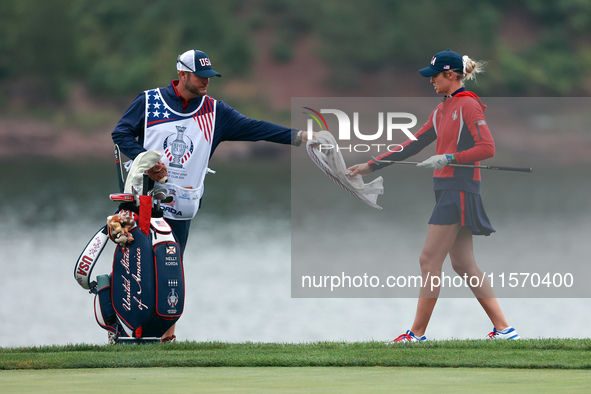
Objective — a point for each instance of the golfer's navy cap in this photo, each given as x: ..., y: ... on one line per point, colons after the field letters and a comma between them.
x: 443, y: 61
x: 196, y: 62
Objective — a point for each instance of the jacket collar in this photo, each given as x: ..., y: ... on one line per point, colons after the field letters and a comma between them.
x: 462, y: 89
x: 172, y: 97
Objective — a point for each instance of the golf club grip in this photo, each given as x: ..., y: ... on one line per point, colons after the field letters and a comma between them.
x: 518, y: 169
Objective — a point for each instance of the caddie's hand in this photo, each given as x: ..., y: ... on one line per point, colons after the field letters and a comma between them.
x: 359, y: 169
x: 436, y: 162
x: 304, y: 137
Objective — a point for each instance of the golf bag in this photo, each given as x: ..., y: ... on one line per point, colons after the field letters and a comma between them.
x: 143, y: 295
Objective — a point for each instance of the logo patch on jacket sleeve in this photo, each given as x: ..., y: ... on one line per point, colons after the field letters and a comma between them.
x: 481, y: 122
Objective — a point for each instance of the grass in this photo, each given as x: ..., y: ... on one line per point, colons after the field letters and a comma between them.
x: 530, y: 354
x: 457, y: 366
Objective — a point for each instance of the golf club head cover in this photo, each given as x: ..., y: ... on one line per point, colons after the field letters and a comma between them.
x: 158, y: 173
x: 142, y: 163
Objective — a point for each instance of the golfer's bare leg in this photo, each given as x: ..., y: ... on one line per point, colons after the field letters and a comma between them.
x: 464, y: 263
x: 438, y: 243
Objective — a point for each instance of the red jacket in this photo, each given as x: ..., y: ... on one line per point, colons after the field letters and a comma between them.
x: 459, y: 126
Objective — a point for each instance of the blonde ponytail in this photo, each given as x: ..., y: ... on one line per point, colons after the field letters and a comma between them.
x: 471, y: 68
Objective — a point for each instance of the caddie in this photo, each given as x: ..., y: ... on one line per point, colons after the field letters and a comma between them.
x: 186, y: 125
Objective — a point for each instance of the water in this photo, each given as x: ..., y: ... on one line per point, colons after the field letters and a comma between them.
x: 237, y: 264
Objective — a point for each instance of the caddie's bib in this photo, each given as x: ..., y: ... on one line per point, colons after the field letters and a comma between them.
x: 185, y: 140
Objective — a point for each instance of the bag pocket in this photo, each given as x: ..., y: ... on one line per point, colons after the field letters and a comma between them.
x: 103, y: 307
x: 170, y: 280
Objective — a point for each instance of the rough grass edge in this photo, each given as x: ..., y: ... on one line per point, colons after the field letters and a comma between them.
x: 530, y: 354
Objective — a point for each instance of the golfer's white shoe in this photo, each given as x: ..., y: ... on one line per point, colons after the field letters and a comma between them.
x: 409, y: 337
x: 507, y: 333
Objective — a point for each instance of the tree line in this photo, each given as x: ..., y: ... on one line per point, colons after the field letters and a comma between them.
x: 119, y: 47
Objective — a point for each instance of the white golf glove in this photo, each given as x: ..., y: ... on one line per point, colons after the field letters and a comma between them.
x: 436, y: 162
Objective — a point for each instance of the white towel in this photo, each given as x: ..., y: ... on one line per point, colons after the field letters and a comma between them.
x: 331, y: 162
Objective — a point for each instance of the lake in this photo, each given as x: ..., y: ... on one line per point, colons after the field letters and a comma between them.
x: 238, y: 267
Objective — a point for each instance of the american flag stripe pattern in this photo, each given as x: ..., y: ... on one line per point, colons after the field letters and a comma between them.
x: 205, y: 117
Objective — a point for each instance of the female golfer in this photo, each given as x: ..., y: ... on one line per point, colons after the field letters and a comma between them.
x: 463, y: 137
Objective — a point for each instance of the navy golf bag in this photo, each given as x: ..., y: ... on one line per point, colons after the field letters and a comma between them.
x: 143, y: 295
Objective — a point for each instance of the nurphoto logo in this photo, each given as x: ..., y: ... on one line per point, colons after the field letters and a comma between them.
x: 388, y: 123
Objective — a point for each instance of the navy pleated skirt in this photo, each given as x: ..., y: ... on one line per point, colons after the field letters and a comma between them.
x: 457, y: 206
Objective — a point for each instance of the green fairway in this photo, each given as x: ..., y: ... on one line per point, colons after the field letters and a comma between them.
x: 302, y: 379
x: 541, y: 365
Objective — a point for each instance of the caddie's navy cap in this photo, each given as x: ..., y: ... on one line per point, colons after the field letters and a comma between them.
x: 443, y: 61
x: 196, y: 62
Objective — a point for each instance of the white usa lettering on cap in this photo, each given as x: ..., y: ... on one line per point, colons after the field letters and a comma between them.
x: 204, y: 61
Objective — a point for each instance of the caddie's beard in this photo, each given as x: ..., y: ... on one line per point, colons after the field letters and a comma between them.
x: 194, y: 89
